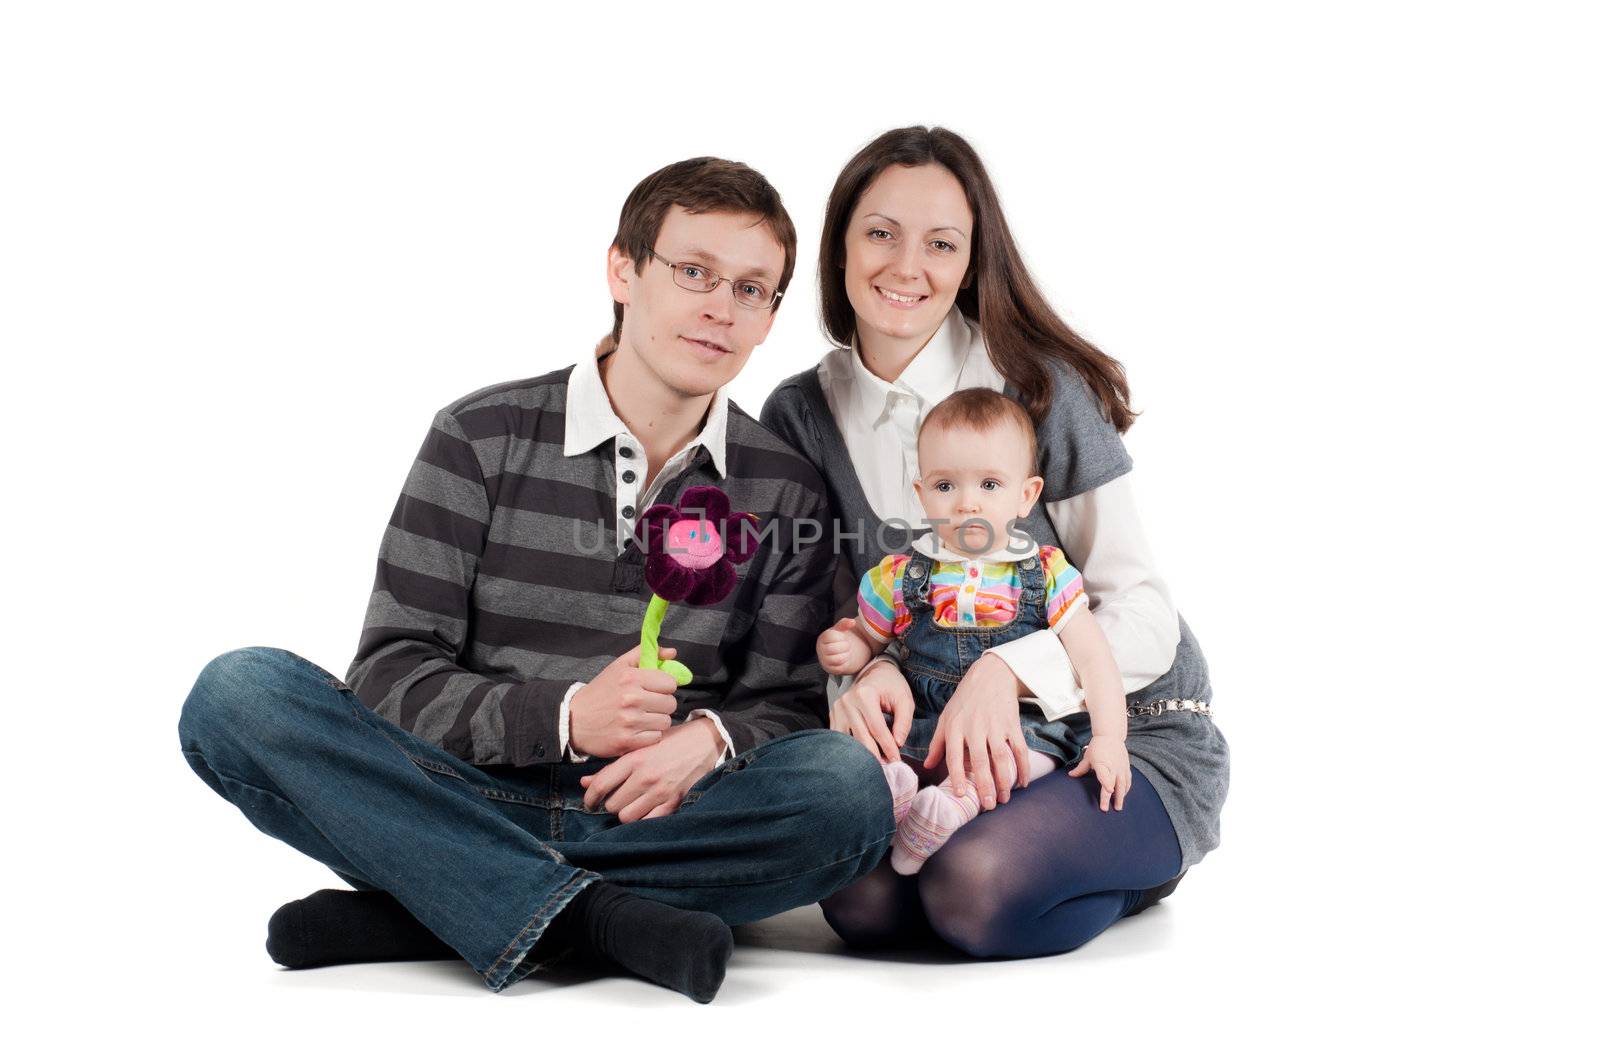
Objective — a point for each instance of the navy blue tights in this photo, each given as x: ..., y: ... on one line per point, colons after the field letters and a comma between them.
x: 1036, y: 876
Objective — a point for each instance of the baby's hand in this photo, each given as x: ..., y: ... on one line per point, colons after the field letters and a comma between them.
x: 1109, y: 760
x: 842, y: 649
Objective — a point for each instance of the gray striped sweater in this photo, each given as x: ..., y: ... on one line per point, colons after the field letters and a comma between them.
x: 496, y: 589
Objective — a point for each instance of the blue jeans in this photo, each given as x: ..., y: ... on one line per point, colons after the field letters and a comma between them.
x: 485, y: 857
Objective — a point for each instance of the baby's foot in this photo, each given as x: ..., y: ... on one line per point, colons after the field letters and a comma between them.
x: 935, y: 814
x: 902, y: 786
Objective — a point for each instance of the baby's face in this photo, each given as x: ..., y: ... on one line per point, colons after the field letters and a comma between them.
x: 975, y: 476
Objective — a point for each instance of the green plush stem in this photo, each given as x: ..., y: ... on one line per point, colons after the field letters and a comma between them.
x: 649, y: 636
x: 651, y: 632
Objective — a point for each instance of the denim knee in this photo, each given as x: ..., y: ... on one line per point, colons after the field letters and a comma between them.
x: 849, y: 766
x: 238, y: 695
x: 843, y: 786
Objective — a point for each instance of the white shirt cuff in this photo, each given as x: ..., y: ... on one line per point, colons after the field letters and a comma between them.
x: 1041, y: 663
x: 716, y: 721
x: 564, y: 726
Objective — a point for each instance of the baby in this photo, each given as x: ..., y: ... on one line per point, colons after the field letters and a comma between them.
x: 966, y: 586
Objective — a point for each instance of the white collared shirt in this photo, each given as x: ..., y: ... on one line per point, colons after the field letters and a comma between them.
x: 1099, y: 529
x: 591, y: 422
x: 880, y: 419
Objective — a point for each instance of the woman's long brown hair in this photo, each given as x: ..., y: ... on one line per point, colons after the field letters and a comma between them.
x: 1019, y: 328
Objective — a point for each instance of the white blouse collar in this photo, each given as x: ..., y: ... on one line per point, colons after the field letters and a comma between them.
x: 932, y: 375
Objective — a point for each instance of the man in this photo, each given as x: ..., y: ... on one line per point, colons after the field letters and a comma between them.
x: 497, y: 775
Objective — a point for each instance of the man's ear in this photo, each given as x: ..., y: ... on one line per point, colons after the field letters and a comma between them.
x: 620, y: 275
x: 1030, y: 494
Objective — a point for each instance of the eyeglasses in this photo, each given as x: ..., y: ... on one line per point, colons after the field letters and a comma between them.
x: 754, y: 294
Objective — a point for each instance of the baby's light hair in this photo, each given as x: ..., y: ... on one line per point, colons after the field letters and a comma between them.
x: 981, y: 409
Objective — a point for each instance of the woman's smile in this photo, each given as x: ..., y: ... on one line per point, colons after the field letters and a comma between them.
x: 898, y: 299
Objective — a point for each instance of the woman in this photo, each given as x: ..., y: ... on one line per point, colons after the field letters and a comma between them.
x: 924, y: 292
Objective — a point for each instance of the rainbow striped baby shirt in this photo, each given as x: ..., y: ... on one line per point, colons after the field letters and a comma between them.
x: 979, y: 593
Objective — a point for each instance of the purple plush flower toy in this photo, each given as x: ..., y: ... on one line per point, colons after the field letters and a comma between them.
x: 690, y: 550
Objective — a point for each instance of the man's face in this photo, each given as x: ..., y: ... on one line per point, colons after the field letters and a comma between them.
x: 695, y: 342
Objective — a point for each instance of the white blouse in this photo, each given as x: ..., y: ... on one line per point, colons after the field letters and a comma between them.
x: 1099, y: 529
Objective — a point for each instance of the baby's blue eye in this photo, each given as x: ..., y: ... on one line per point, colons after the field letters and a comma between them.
x: 693, y: 534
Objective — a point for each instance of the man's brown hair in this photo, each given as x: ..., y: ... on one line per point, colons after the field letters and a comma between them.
x: 981, y: 409
x: 700, y: 186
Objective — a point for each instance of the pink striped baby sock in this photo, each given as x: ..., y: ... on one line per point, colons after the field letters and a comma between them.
x: 902, y: 786
x: 935, y: 814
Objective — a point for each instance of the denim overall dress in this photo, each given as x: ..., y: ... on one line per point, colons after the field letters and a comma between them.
x: 937, y: 657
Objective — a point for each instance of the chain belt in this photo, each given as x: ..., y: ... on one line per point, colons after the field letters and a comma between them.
x: 1156, y: 708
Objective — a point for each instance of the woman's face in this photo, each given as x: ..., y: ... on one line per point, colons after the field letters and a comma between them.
x: 906, y: 250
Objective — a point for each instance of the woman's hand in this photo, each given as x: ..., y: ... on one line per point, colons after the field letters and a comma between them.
x: 859, y: 711
x: 980, y: 730
x: 1108, y: 759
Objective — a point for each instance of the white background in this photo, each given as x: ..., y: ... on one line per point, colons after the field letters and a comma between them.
x: 1346, y: 252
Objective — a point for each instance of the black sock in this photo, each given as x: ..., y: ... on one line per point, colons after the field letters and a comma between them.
x: 679, y: 949
x: 349, y: 926
x: 682, y: 950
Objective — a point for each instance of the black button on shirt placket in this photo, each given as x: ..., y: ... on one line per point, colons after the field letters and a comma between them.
x: 628, y: 574
x: 628, y: 476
